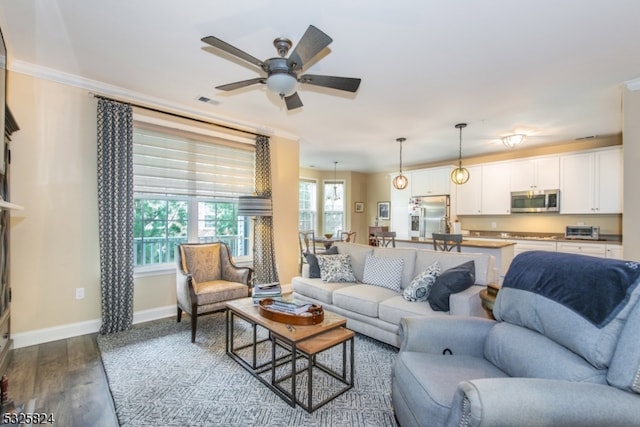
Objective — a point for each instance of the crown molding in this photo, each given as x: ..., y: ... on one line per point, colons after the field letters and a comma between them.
x: 633, y: 85
x: 125, y: 95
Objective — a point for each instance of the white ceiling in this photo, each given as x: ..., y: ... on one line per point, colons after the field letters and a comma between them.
x: 552, y: 69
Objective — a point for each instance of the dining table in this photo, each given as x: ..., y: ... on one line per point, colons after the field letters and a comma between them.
x: 327, y: 242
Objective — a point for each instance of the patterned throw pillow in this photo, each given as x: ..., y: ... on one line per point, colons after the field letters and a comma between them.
x: 385, y: 272
x: 336, y: 268
x: 420, y: 286
x: 312, y: 260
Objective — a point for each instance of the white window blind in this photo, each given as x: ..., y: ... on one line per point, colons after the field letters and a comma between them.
x: 175, y: 162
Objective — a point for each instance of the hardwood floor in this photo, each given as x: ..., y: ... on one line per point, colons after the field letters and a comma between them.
x: 66, y: 378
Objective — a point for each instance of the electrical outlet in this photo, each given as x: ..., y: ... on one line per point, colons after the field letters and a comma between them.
x: 79, y: 293
x: 494, y: 224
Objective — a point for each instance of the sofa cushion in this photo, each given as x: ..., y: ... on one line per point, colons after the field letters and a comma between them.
x: 406, y: 254
x: 336, y: 268
x: 362, y: 298
x: 451, y: 281
x: 428, y: 382
x: 393, y: 309
x: 312, y: 260
x: 420, y: 286
x: 358, y: 254
x: 317, y: 289
x: 385, y: 272
x: 521, y: 352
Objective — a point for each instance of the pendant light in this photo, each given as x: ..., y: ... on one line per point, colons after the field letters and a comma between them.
x: 334, y: 197
x: 400, y: 182
x: 460, y: 175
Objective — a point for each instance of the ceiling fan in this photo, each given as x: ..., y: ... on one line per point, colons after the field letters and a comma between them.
x: 282, y: 72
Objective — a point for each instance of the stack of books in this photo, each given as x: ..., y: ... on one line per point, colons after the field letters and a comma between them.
x: 266, y: 290
x: 289, y: 307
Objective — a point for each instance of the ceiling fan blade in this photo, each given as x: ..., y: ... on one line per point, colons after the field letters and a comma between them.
x: 348, y: 84
x: 312, y: 42
x: 293, y: 101
x: 222, y: 45
x: 243, y: 83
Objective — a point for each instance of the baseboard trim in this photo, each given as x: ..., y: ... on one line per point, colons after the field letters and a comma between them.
x: 41, y: 336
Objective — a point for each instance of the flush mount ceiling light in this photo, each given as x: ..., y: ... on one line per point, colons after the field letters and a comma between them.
x: 400, y: 182
x: 512, y: 140
x: 460, y: 175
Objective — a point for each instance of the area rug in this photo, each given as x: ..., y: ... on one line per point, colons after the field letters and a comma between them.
x: 157, y: 377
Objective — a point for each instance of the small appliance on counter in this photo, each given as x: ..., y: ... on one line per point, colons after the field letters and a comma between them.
x: 583, y: 232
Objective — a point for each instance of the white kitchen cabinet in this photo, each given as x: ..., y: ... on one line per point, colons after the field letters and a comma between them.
x: 469, y: 195
x: 593, y: 249
x: 399, y: 213
x: 591, y: 182
x: 430, y: 182
x: 496, y: 194
x: 533, y: 245
x: 614, y: 251
x: 541, y: 173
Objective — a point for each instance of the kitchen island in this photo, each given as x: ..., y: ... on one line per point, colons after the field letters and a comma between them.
x: 502, y: 250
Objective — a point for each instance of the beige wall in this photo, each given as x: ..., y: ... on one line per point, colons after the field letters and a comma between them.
x: 631, y: 150
x: 54, y: 240
x: 356, y: 185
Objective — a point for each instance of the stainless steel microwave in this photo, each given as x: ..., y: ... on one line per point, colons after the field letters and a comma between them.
x: 535, y: 201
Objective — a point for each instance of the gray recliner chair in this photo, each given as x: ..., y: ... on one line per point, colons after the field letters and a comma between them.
x: 564, y: 350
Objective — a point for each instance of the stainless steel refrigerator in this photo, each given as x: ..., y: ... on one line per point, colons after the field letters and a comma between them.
x: 429, y: 214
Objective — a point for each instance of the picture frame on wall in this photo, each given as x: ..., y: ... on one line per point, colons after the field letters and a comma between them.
x: 384, y: 209
x: 358, y: 207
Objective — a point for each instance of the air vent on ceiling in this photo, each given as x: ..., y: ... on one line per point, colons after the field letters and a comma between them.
x: 207, y: 100
x: 586, y: 137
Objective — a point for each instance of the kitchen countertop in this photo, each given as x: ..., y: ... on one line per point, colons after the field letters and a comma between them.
x: 500, y: 236
x: 493, y: 243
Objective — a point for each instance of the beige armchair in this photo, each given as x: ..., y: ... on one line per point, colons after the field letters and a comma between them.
x: 206, y: 278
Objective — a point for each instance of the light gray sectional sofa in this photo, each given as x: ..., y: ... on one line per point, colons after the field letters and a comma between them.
x: 375, y: 310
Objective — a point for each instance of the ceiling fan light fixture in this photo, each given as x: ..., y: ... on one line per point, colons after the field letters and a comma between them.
x: 400, y: 182
x: 512, y: 141
x: 460, y: 175
x: 282, y: 84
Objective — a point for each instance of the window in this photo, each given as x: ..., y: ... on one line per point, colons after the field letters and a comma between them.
x: 307, y: 204
x: 186, y: 188
x: 333, y: 207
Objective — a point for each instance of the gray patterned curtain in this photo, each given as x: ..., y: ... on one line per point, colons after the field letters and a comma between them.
x: 264, y: 263
x: 115, y: 214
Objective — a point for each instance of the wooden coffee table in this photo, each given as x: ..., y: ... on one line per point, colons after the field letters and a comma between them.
x: 297, y: 341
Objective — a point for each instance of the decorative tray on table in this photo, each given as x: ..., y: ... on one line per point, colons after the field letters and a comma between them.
x: 291, y: 313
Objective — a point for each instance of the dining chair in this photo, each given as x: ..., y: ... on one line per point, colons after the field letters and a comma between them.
x: 307, y: 241
x: 446, y: 242
x: 348, y: 236
x: 384, y: 238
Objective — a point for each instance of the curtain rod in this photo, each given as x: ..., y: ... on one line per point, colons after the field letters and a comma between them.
x: 180, y: 116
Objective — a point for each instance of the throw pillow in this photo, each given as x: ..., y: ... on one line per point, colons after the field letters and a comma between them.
x: 336, y: 268
x: 312, y: 260
x: 385, y: 272
x: 452, y: 281
x: 420, y: 286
